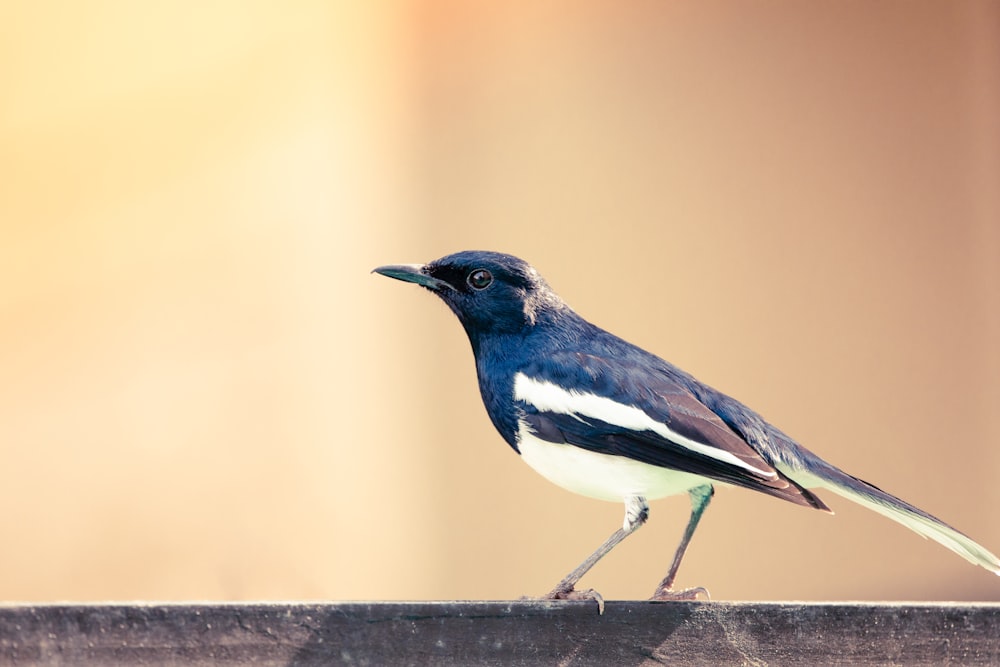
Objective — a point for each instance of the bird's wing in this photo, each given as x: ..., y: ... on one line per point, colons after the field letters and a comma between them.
x: 629, y: 408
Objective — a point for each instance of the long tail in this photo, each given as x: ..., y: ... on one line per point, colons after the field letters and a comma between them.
x: 814, y: 472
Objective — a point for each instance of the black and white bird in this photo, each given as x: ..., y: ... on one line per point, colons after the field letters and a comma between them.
x: 601, y: 417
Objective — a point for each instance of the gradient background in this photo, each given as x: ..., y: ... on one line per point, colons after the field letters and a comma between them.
x: 206, y: 395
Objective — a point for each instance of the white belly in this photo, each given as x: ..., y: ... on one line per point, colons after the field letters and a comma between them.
x: 601, y: 476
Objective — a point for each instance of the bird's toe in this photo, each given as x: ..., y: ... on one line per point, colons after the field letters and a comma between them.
x: 573, y: 594
x: 684, y: 594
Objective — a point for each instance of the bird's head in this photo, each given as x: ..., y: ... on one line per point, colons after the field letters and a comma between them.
x: 489, y: 292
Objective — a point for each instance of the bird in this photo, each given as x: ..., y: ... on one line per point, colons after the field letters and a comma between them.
x: 604, y: 418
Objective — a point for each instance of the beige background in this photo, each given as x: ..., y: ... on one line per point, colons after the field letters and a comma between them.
x: 205, y: 394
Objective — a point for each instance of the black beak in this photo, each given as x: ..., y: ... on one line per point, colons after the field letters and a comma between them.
x: 412, y: 273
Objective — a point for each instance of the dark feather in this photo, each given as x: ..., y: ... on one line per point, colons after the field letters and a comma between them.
x: 664, y: 399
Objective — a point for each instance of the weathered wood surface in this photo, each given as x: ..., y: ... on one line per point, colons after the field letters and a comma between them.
x: 500, y: 633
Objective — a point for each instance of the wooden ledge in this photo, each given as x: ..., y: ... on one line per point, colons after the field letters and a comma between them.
x: 500, y: 633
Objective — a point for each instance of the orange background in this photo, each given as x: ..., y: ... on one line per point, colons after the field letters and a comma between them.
x: 205, y: 394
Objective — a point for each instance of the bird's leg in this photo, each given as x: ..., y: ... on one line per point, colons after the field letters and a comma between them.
x: 700, y: 497
x: 636, y: 513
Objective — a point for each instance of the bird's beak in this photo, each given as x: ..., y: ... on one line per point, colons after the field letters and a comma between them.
x: 412, y: 273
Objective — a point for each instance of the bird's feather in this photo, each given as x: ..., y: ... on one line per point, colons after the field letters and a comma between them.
x: 630, y: 410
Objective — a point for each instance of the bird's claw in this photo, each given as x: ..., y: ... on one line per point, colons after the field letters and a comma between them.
x: 573, y: 594
x: 684, y: 594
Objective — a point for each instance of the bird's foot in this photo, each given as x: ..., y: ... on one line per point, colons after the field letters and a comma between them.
x: 573, y: 594
x: 665, y: 593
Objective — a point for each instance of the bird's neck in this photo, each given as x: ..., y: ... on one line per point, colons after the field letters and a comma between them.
x: 500, y: 356
x: 497, y: 360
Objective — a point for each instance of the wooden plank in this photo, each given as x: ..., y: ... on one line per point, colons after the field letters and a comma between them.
x: 500, y: 633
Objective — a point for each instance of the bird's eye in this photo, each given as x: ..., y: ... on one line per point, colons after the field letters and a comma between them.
x: 480, y: 279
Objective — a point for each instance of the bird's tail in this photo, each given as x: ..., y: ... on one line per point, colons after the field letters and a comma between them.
x: 817, y: 473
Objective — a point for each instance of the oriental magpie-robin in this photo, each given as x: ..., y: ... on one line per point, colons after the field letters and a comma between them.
x: 606, y: 419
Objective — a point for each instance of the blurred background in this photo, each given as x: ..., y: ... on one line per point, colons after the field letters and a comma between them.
x: 204, y: 394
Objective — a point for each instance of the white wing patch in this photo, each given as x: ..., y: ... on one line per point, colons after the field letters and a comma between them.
x: 549, y: 397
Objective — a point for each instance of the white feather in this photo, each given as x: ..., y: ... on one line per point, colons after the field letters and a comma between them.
x: 601, y: 476
x: 549, y: 397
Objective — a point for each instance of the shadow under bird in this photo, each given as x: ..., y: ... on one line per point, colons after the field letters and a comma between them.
x: 601, y: 417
